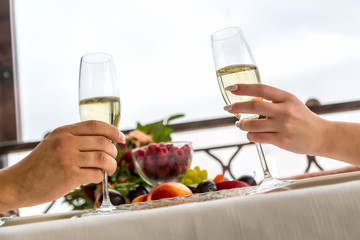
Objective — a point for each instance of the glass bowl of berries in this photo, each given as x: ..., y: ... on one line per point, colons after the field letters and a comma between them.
x: 157, y: 163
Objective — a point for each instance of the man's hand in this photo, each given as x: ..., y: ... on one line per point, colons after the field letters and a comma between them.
x: 68, y: 157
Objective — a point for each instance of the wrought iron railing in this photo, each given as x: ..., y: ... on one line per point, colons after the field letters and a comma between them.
x: 313, y: 104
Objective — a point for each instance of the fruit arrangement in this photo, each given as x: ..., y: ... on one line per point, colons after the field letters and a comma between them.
x: 162, y: 162
x: 174, y: 189
x: 125, y: 177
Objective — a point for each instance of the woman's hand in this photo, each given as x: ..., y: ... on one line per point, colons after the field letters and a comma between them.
x: 289, y: 124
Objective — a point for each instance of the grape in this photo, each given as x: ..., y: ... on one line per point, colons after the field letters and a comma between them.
x: 136, y: 191
x: 187, y: 182
x: 206, y: 186
x: 194, y: 176
x: 192, y: 188
x: 247, y: 179
x: 203, y: 174
x: 197, y: 179
x: 191, y: 173
x: 115, y: 198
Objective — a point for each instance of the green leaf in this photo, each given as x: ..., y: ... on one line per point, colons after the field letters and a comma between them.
x: 173, y: 118
x: 163, y: 135
x: 158, y: 130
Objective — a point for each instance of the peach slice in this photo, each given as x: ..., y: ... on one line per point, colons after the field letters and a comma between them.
x: 218, y: 178
x: 141, y: 198
x: 231, y: 184
x: 168, y: 190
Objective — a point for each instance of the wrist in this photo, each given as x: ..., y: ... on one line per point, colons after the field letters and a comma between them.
x: 8, y: 193
x: 326, y: 144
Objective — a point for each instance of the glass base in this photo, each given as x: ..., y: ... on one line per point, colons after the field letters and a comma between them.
x: 271, y: 184
x: 102, y: 211
x: 104, y: 208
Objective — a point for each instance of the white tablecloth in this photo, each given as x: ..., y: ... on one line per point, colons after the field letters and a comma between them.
x: 324, y: 212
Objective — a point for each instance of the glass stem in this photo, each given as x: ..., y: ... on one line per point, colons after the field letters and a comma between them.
x: 267, y: 174
x: 106, y: 199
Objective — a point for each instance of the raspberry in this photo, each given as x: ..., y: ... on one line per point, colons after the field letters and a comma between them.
x: 186, y: 149
x: 161, y: 144
x: 140, y: 153
x: 175, y: 166
x: 151, y: 171
x: 151, y: 161
x: 89, y: 191
x: 127, y: 159
x: 162, y: 161
x: 179, y: 154
x: 163, y: 172
x: 152, y: 148
x: 162, y: 151
x: 169, y: 145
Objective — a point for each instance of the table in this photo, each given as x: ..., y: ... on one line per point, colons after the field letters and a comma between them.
x: 317, y: 212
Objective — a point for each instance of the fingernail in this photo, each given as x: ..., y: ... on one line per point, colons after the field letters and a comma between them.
x: 122, y: 136
x: 231, y: 88
x: 237, y: 123
x: 227, y: 108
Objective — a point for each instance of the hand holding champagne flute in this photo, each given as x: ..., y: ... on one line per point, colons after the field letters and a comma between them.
x: 230, y: 75
x: 235, y: 64
x: 99, y: 99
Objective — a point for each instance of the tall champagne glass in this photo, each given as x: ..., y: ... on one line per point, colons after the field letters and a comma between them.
x: 99, y: 100
x: 234, y: 64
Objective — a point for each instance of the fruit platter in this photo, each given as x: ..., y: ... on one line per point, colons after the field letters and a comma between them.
x: 165, y: 167
x: 175, y: 193
x: 171, y: 181
x: 170, y: 193
x: 154, y: 171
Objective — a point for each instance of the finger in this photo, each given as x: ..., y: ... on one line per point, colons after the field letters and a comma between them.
x: 96, y: 143
x: 263, y: 137
x: 91, y: 175
x: 257, y: 107
x: 99, y: 160
x: 259, y: 90
x: 91, y: 128
x: 257, y: 125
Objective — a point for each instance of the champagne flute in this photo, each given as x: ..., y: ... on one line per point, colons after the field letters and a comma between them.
x: 234, y: 64
x: 99, y: 100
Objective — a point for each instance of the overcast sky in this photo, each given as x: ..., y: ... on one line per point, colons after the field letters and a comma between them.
x: 163, y: 57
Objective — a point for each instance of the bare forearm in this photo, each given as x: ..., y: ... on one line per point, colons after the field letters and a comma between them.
x: 8, y: 199
x: 290, y: 125
x: 342, y: 142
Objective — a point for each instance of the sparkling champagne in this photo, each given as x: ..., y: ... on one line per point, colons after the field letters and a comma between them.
x: 234, y: 74
x: 106, y: 109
